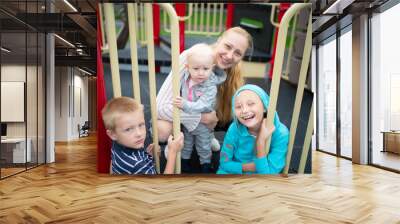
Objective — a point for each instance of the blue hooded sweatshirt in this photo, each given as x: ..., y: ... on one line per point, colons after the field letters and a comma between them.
x: 239, y: 144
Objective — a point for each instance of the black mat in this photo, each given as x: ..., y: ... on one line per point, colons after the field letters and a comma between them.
x: 162, y: 58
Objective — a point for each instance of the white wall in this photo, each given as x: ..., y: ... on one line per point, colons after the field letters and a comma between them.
x: 71, y: 94
x: 61, y: 103
x: 33, y: 126
x: 13, y: 73
x: 81, y: 94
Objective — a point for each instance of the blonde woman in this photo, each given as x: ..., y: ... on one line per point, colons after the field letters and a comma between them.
x: 229, y: 50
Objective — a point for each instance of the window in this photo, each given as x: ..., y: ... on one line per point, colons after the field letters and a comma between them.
x: 385, y: 86
x: 346, y: 94
x: 326, y: 94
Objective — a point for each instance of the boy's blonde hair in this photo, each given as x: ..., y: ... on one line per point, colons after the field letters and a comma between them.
x: 117, y: 106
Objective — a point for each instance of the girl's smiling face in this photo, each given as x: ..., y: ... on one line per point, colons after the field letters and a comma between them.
x: 249, y: 110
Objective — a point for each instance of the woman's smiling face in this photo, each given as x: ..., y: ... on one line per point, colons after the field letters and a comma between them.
x: 230, y: 49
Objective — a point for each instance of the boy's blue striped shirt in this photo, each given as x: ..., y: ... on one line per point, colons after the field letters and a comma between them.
x: 126, y: 160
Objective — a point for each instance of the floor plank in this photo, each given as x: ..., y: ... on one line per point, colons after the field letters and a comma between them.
x: 71, y: 191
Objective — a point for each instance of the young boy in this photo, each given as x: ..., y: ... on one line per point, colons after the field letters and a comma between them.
x: 124, y: 120
x: 198, y: 90
x: 243, y: 150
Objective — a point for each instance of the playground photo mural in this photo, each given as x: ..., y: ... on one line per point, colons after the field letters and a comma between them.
x: 204, y: 88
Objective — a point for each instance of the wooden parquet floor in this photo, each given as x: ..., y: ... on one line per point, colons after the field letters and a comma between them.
x: 71, y: 191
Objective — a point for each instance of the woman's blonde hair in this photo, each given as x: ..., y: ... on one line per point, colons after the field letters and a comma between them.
x: 233, y: 82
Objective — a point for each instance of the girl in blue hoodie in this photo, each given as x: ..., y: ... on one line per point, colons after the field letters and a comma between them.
x: 243, y: 151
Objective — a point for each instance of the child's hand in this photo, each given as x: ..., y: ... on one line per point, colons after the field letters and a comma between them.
x: 265, y: 132
x: 178, y: 102
x: 175, y: 145
x: 263, y: 135
x: 149, y: 149
x: 209, y: 119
